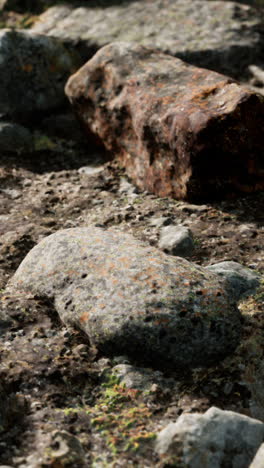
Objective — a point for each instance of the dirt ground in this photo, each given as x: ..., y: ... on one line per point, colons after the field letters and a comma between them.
x: 50, y: 378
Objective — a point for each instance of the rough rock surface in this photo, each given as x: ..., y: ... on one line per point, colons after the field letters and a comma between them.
x: 164, y: 119
x: 33, y: 71
x: 258, y: 461
x: 130, y: 298
x: 239, y: 279
x: 212, y: 440
x: 176, y: 240
x: 224, y: 36
x: 15, y: 138
x: 137, y: 377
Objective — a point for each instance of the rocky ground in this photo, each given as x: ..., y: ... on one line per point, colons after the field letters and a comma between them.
x: 61, y: 402
x: 52, y: 378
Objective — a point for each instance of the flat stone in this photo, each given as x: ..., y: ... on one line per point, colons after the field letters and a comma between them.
x: 212, y: 440
x: 131, y: 299
x: 33, y: 72
x: 223, y: 36
x: 163, y: 119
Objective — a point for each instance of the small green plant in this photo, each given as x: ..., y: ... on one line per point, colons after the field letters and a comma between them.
x: 121, y: 417
x: 43, y: 142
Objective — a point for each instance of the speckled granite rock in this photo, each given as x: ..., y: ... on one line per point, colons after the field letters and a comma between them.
x: 131, y: 298
x: 163, y: 119
x: 33, y: 71
x: 176, y: 240
x: 223, y: 36
x: 212, y: 440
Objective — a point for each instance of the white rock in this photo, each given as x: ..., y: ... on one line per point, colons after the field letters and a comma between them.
x: 176, y: 240
x: 212, y: 440
x: 239, y: 279
x: 258, y: 461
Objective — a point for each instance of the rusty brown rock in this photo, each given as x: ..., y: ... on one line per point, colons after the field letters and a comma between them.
x: 179, y: 130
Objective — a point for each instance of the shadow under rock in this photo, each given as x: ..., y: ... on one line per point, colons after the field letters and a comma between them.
x: 37, y: 7
x: 45, y: 161
x: 163, y: 341
x: 246, y: 209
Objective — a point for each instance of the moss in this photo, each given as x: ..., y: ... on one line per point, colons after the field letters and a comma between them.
x: 121, y: 417
x: 43, y: 142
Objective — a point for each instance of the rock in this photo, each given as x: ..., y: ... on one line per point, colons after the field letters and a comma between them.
x: 176, y: 240
x: 161, y: 221
x: 258, y: 461
x: 189, y: 208
x: 223, y: 36
x: 56, y: 449
x: 163, y: 119
x: 130, y: 298
x: 66, y: 449
x: 136, y: 377
x: 33, y: 71
x: 212, y: 440
x: 15, y: 138
x: 240, y: 280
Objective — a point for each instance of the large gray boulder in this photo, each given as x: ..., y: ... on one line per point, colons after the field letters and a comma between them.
x: 223, y: 36
x: 215, y: 439
x: 33, y: 71
x: 130, y: 298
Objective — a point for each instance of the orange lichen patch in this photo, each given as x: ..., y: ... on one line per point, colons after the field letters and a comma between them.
x: 111, y: 266
x: 84, y: 317
x: 115, y: 280
x: 205, y: 91
x: 71, y: 272
x: 27, y: 67
x: 125, y: 261
x: 102, y: 305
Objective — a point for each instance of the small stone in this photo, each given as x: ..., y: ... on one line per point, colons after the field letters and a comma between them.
x: 176, y: 240
x: 189, y: 208
x: 240, y: 281
x: 81, y: 350
x: 159, y: 222
x: 136, y: 377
